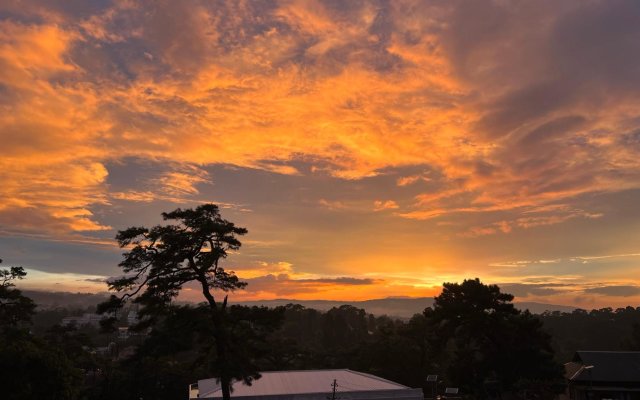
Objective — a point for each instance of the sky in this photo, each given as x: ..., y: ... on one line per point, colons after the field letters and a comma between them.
x: 372, y: 148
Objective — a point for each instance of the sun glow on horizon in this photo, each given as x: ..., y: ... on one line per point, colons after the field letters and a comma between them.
x: 371, y: 149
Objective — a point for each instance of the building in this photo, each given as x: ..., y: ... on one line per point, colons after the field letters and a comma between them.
x: 85, y: 319
x: 604, y: 375
x: 123, y: 333
x: 309, y: 385
x: 132, y: 318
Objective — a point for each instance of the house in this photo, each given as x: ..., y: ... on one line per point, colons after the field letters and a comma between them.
x: 604, y: 375
x: 309, y: 385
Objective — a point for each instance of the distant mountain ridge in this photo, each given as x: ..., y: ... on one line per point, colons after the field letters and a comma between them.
x: 402, y: 307
x: 48, y: 300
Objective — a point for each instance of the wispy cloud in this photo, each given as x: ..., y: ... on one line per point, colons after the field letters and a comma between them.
x: 478, y: 120
x: 362, y: 88
x: 615, y: 290
x: 380, y: 205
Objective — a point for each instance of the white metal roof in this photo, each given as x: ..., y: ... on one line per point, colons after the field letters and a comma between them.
x: 301, y: 382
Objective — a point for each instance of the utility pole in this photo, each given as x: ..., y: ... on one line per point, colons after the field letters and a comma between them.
x: 433, y: 380
x: 334, y: 387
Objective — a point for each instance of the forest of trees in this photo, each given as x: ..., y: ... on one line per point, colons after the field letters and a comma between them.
x: 472, y: 337
x: 174, y: 354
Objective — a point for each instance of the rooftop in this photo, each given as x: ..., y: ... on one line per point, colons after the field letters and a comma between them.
x: 302, y: 382
x: 605, y: 366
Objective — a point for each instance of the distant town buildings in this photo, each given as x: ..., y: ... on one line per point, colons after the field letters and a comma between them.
x: 124, y: 333
x: 85, y: 319
x: 132, y: 317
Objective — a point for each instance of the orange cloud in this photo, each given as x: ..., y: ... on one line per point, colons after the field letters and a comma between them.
x: 410, y: 180
x: 380, y: 205
x: 496, y: 123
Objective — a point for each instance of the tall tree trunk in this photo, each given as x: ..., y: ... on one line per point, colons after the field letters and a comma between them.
x: 219, y: 335
x: 221, y: 349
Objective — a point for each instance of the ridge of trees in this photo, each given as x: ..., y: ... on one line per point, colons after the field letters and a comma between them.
x: 31, y: 368
x: 472, y: 336
x: 188, y: 248
x: 289, y: 337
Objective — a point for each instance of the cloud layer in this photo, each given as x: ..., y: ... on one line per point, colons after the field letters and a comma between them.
x: 487, y: 119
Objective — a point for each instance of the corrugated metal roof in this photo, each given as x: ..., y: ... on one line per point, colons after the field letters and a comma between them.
x: 299, y: 382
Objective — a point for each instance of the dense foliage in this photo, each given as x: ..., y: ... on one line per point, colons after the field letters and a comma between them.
x: 187, y: 248
x: 472, y: 337
x: 178, y: 350
x: 31, y: 367
x: 15, y: 309
x: 486, y: 346
x: 603, y: 329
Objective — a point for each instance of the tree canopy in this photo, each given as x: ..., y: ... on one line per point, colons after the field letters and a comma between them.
x: 486, y: 346
x: 31, y: 368
x: 14, y: 307
x: 179, y: 351
x: 160, y: 260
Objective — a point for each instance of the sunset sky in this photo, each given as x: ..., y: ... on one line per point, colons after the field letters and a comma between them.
x: 371, y: 148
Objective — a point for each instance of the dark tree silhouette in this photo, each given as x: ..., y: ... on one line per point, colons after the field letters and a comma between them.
x: 602, y: 329
x: 14, y: 307
x: 31, y: 368
x: 161, y: 260
x: 180, y: 350
x: 633, y: 343
x: 487, y: 346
